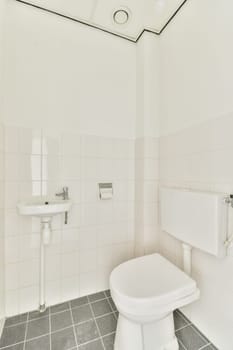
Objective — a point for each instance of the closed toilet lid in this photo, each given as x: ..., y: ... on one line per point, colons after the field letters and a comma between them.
x: 151, y: 277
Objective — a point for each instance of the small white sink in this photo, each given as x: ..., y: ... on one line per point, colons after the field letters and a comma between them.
x: 42, y: 208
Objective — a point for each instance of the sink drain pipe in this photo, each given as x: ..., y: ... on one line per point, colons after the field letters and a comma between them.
x: 45, y: 238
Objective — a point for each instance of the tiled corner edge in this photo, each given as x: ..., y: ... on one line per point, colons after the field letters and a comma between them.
x: 209, y: 344
x: 2, y: 322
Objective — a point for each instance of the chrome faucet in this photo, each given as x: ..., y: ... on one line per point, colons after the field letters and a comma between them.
x: 64, y: 194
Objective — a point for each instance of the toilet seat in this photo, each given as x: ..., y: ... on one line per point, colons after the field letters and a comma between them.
x: 150, y: 286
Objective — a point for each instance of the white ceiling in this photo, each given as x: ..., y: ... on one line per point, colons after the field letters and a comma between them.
x: 150, y: 15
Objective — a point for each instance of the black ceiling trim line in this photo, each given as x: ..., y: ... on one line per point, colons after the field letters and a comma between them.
x: 101, y: 29
x: 75, y: 20
x: 172, y: 17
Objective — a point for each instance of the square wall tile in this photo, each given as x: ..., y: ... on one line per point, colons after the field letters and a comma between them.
x: 69, y: 264
x: 12, y: 303
x: 12, y: 166
x: 30, y: 141
x: 89, y: 146
x: 28, y: 298
x: 51, y: 142
x: 11, y: 276
x: 88, y: 282
x: 11, y: 139
x: 69, y: 288
x: 70, y: 168
x: 30, y: 168
x: 87, y: 260
x: 51, y: 168
x: 71, y: 144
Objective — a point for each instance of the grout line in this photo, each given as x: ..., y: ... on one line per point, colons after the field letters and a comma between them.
x: 196, y: 330
x: 100, y: 336
x: 52, y: 313
x: 73, y: 325
x: 182, y: 315
x: 205, y: 346
x: 178, y: 329
x: 114, y: 311
x: 22, y: 342
x: 11, y: 345
x: 41, y: 161
x: 16, y: 324
x: 96, y: 301
x: 179, y: 341
x: 199, y: 334
x: 90, y: 341
x: 90, y: 303
x: 105, y: 292
x: 26, y: 330
x: 38, y: 318
x: 108, y: 313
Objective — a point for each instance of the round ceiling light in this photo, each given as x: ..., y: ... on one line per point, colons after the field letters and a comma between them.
x: 121, y: 16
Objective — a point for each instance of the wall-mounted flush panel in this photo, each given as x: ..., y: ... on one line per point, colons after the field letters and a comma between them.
x: 196, y: 218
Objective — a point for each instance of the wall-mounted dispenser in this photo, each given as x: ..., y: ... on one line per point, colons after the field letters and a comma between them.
x: 105, y: 191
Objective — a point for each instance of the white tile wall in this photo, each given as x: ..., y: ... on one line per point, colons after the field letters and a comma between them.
x: 200, y: 158
x: 146, y: 194
x: 99, y: 234
x: 2, y: 226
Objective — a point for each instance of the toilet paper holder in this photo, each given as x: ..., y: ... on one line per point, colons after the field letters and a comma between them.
x: 105, y: 191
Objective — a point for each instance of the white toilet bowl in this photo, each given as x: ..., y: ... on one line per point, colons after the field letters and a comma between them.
x: 146, y: 291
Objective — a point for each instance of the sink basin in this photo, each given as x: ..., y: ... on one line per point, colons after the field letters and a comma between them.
x: 42, y: 208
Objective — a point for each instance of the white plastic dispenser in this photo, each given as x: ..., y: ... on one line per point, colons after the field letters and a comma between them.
x: 196, y: 218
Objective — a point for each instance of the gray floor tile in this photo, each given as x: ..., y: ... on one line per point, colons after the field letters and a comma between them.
x: 86, y: 332
x: 36, y: 314
x: 179, y: 321
x: 184, y: 317
x: 82, y: 314
x: 107, y: 293
x: 61, y: 320
x: 190, y: 339
x: 107, y: 324
x: 15, y: 320
x: 109, y: 341
x: 59, y: 307
x: 200, y: 334
x: 116, y: 314
x: 63, y: 340
x: 112, y: 304
x: 42, y: 343
x: 38, y: 327
x: 15, y: 347
x: 79, y: 302
x: 94, y: 345
x: 13, y: 335
x: 213, y: 347
x: 96, y: 296
x: 101, y: 307
x: 181, y: 347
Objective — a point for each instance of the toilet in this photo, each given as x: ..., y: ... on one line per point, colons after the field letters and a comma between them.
x: 147, y: 289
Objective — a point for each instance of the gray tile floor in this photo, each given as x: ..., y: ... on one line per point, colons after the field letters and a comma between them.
x: 86, y: 323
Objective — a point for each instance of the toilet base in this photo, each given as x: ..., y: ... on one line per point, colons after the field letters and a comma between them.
x: 158, y: 335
